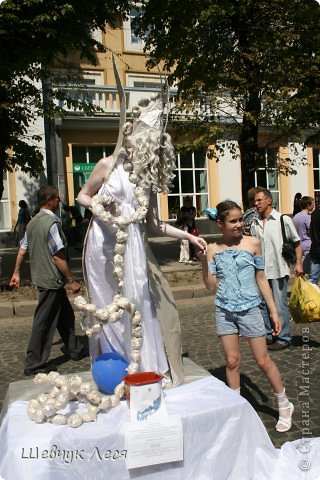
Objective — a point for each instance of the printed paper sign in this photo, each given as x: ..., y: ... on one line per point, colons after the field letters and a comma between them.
x: 152, y: 443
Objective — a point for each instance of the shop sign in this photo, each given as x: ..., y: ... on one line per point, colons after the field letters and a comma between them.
x: 83, y: 167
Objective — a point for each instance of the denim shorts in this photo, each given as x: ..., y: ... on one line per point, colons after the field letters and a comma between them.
x: 248, y: 323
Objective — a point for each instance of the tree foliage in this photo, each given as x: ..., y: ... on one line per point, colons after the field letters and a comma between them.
x: 244, y: 66
x: 35, y: 34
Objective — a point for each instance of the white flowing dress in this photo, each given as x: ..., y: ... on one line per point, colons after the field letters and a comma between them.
x: 101, y: 283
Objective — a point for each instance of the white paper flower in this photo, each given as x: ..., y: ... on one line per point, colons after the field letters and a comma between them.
x: 114, y: 317
x: 97, y: 199
x: 137, y: 332
x: 118, y: 271
x: 74, y: 420
x: 49, y: 410
x: 135, y: 355
x: 39, y: 417
x: 75, y: 381
x: 90, y: 307
x: 80, y: 301
x: 85, y: 388
x: 121, y: 236
x: 54, y: 392
x: 122, y: 221
x: 133, y: 368
x: 62, y: 400
x: 105, y: 403
x: 59, y: 419
x: 102, y: 314
x: 136, y: 343
x: 119, y: 390
x: 65, y: 389
x: 42, y: 398
x: 136, y: 320
x: 89, y: 417
x: 113, y: 307
x: 98, y: 209
x: 89, y: 332
x: 123, y: 302
x: 41, y: 378
x: 94, y: 397
x: 133, y: 309
x: 115, y: 400
x: 96, y: 328
x: 119, y: 248
x: 118, y: 260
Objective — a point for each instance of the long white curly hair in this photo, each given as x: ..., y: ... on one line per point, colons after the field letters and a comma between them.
x: 152, y: 155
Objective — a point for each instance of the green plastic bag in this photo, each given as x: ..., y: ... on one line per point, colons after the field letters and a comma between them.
x: 304, y: 302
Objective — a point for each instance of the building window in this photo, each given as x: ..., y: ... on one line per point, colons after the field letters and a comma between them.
x: 191, y: 180
x: 143, y: 81
x: 84, y: 159
x: 266, y: 175
x: 5, y: 217
x: 92, y: 77
x: 131, y: 41
x: 316, y: 175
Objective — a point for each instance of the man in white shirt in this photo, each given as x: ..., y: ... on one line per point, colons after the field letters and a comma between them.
x: 267, y: 228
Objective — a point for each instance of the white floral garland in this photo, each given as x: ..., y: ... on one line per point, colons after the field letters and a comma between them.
x: 107, y: 211
x: 46, y: 406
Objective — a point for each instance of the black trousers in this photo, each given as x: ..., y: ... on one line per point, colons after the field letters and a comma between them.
x: 53, y: 311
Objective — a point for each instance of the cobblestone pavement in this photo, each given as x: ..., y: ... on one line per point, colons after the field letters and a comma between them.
x: 202, y: 346
x: 299, y: 364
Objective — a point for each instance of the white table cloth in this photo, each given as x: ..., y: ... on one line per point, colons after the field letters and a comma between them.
x: 223, y: 439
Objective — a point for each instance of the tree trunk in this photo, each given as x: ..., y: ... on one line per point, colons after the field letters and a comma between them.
x: 4, y: 135
x: 248, y: 142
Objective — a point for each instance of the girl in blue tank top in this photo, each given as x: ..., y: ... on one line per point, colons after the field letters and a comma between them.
x: 233, y: 270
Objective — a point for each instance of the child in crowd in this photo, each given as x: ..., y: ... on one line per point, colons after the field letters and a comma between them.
x: 184, y: 248
x: 233, y: 268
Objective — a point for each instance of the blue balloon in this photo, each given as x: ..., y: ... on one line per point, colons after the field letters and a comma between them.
x: 108, y: 370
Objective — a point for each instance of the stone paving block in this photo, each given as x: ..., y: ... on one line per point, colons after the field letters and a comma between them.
x: 26, y: 308
x: 6, y: 310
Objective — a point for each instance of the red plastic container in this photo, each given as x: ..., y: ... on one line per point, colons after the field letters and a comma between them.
x: 140, y: 378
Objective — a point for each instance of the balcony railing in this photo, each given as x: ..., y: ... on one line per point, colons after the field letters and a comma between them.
x: 107, y: 103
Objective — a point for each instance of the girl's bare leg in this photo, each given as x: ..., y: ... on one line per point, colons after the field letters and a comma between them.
x: 232, y: 354
x: 260, y: 352
x: 261, y: 355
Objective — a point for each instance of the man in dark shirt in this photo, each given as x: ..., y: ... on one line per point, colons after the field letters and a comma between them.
x: 315, y: 247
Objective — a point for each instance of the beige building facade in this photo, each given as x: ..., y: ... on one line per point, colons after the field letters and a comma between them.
x: 73, y: 144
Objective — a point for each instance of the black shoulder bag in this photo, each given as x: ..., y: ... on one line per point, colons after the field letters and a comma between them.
x: 288, y: 250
